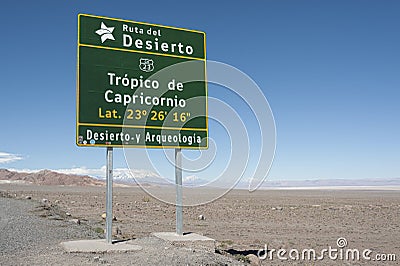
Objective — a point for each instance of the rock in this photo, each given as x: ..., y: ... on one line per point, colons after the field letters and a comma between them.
x: 254, y: 260
x: 99, y: 260
x: 117, y: 231
x: 56, y: 201
x: 201, y: 217
x: 28, y: 197
x: 45, y: 201
x: 76, y: 221
x: 279, y: 208
x: 68, y: 214
x: 104, y: 216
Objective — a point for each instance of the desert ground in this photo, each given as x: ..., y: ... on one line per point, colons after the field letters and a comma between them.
x: 241, y: 222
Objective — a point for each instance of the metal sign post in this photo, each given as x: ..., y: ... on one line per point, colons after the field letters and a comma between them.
x: 178, y: 183
x: 116, y: 91
x: 109, y: 197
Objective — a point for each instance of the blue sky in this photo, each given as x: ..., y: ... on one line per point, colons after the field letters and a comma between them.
x: 329, y: 69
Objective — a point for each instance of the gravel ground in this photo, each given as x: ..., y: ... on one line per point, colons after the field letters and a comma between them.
x: 242, y: 224
x: 31, y: 232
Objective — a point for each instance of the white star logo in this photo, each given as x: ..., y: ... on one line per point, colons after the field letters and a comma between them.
x: 105, y: 32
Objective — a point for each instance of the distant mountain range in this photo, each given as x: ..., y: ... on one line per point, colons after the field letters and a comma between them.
x: 145, y: 177
x: 315, y: 183
x: 47, y: 177
x: 130, y: 177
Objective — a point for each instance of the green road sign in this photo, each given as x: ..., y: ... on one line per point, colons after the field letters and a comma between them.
x: 140, y: 85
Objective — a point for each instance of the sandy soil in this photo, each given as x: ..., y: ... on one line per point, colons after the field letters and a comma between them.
x: 243, y: 222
